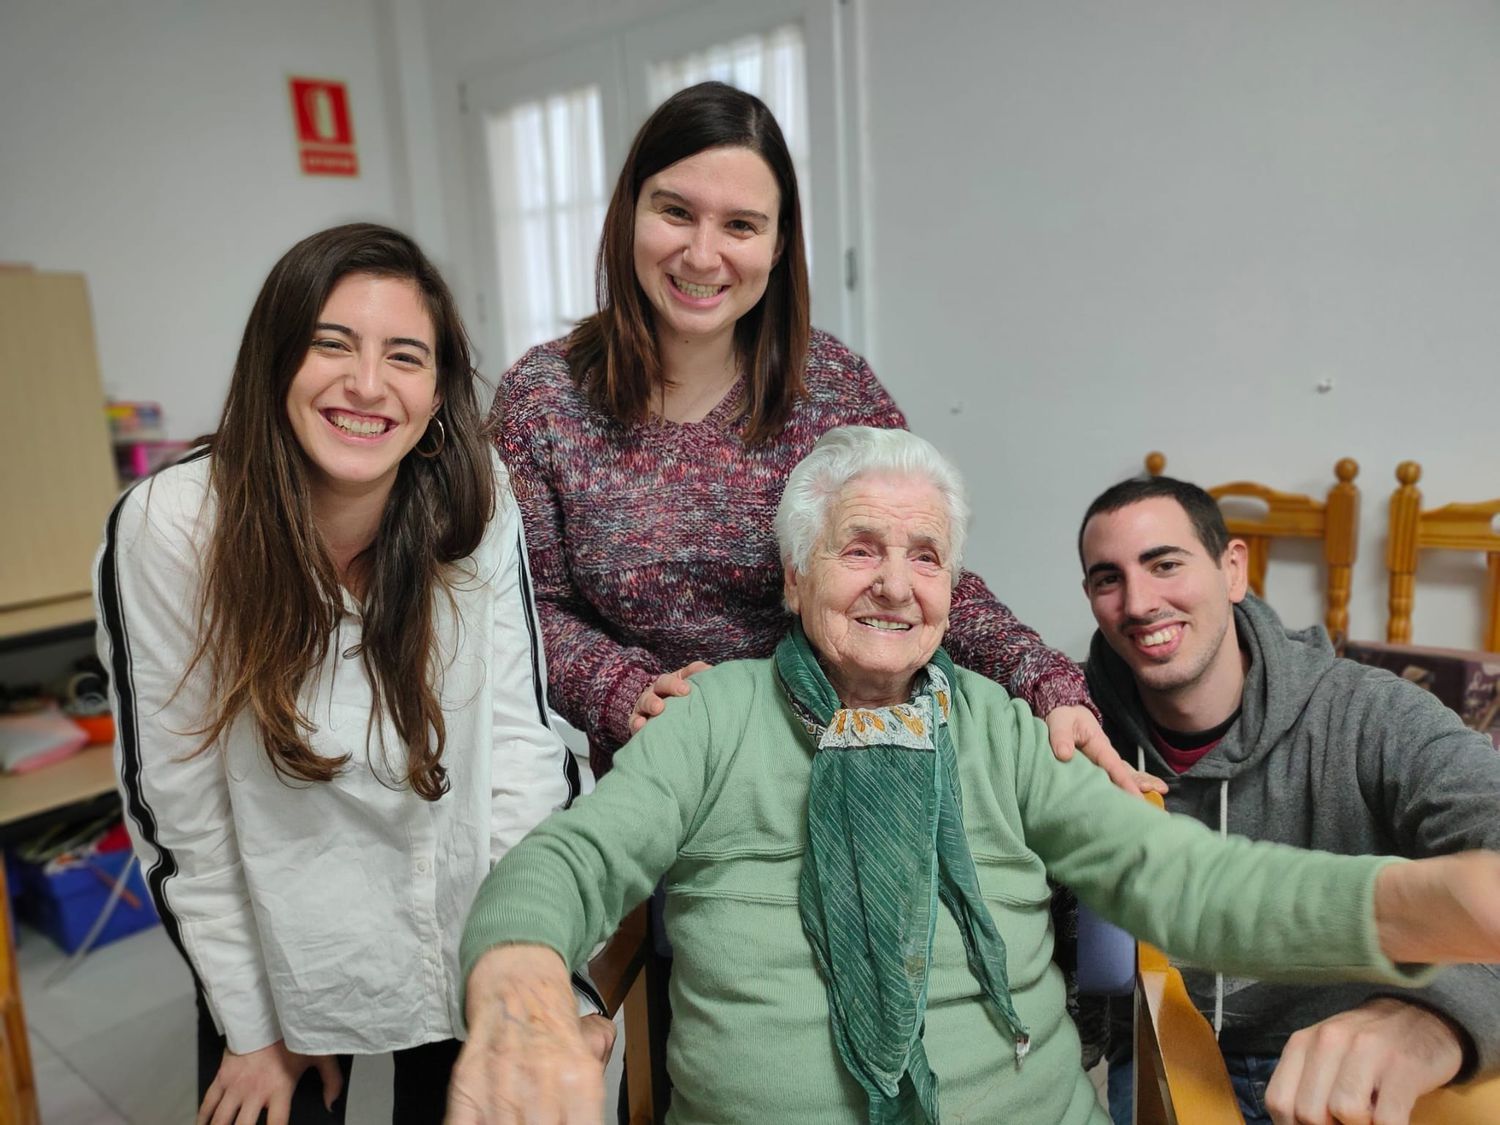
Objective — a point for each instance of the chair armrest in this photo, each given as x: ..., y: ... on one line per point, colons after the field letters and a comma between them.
x: 615, y: 967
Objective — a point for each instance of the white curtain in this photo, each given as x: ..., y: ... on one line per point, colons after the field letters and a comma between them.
x: 547, y: 178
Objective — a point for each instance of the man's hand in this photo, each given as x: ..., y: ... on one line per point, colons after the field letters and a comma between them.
x: 529, y: 1058
x: 651, y: 702
x: 264, y: 1080
x: 1367, y: 1066
x: 1073, y: 726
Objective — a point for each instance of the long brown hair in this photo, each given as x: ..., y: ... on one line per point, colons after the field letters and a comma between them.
x: 613, y: 355
x: 271, y: 594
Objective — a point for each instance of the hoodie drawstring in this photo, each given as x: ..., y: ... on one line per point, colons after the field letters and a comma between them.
x: 1219, y: 977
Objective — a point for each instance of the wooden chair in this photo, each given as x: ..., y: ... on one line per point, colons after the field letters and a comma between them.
x: 1180, y: 1076
x: 1454, y: 527
x: 1290, y: 515
x: 628, y: 975
x: 18, y: 1105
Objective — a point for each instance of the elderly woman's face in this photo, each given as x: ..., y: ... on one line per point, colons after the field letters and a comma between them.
x: 874, y: 600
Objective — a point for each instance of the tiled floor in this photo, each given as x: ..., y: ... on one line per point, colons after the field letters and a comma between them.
x: 113, y: 1042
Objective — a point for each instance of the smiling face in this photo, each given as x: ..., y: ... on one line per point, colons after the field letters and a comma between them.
x: 367, y: 386
x: 875, y: 597
x: 706, y: 240
x: 1166, y: 607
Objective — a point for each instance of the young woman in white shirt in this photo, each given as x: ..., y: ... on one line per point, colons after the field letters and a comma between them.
x: 329, y: 686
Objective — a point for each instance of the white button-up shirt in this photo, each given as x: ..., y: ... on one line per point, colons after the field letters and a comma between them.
x: 325, y: 914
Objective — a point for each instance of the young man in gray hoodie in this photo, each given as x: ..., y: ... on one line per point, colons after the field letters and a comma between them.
x: 1262, y: 732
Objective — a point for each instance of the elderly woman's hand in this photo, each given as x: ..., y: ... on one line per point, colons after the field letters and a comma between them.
x: 1441, y: 910
x: 529, y: 1058
x: 653, y: 700
x: 1074, y: 726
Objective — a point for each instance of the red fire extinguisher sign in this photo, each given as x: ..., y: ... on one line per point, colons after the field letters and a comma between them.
x: 325, y: 131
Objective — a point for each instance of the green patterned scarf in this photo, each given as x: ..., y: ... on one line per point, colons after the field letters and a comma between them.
x: 886, y: 842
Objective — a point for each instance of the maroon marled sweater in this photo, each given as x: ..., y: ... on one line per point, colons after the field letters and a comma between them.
x: 651, y: 545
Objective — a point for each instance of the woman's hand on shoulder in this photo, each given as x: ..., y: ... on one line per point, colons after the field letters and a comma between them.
x: 1073, y: 727
x: 651, y: 702
x: 264, y: 1080
x: 529, y: 1057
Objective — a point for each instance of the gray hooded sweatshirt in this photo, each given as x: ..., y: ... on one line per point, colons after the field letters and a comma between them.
x: 1338, y: 756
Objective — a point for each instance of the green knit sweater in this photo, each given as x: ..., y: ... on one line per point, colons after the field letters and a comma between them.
x: 713, y: 795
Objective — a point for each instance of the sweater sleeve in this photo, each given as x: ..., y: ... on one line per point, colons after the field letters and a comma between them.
x: 1256, y: 909
x: 568, y: 884
x: 988, y: 638
x: 177, y: 801
x: 595, y: 679
x: 1437, y: 784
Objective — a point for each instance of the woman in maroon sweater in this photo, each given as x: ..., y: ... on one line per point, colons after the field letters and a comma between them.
x: 649, y: 448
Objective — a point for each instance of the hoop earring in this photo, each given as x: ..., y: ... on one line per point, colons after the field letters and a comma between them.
x: 438, y: 445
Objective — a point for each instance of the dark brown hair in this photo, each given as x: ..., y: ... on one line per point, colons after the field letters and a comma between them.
x: 272, y: 598
x: 1202, y: 510
x: 613, y: 354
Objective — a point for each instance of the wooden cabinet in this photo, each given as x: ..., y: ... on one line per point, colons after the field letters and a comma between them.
x: 57, y: 476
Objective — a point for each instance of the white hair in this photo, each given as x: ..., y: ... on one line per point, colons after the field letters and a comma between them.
x: 840, y: 457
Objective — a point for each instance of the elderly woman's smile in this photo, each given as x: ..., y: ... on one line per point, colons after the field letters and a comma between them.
x: 875, y: 593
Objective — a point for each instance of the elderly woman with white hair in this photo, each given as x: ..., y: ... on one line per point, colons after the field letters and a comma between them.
x: 856, y: 837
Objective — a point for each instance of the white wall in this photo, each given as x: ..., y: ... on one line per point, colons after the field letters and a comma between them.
x: 150, y: 146
x: 1104, y: 228
x: 1098, y: 228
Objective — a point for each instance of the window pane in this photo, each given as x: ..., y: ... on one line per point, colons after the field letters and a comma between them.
x: 546, y: 164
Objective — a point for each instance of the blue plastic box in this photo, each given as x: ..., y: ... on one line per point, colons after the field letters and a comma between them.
x: 66, y: 904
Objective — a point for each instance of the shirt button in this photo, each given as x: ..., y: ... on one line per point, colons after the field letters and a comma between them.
x: 422, y: 866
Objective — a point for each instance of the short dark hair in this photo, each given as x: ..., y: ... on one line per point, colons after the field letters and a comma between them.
x: 1201, y: 508
x: 612, y: 355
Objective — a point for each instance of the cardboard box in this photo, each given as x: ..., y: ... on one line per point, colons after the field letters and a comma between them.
x: 1466, y: 680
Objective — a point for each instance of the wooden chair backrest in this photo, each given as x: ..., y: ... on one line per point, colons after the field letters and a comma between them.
x: 622, y: 973
x: 1180, y: 1077
x: 1179, y: 1074
x: 1291, y: 515
x: 1454, y: 527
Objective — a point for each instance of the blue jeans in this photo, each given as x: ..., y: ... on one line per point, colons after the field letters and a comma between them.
x: 1121, y: 1090
x: 1248, y: 1074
